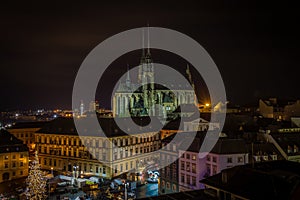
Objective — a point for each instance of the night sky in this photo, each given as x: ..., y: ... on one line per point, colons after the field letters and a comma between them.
x: 255, y: 45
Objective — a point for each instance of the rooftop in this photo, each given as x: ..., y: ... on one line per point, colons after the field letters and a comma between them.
x: 266, y: 180
x: 9, y: 143
x: 22, y: 125
x: 109, y: 126
x: 229, y: 146
x: 288, y: 141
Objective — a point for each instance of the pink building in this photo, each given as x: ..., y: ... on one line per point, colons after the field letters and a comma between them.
x: 195, y: 166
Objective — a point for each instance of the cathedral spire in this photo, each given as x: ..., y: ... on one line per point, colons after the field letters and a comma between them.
x: 143, y: 43
x: 143, y: 47
x: 188, y: 72
x: 148, y: 58
x: 148, y: 40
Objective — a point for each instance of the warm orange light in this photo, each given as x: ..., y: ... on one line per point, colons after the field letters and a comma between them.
x: 207, y: 104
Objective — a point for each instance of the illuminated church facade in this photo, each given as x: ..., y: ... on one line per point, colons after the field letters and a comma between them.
x: 142, y: 98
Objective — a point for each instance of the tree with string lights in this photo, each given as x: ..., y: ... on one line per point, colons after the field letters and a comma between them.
x: 36, y: 183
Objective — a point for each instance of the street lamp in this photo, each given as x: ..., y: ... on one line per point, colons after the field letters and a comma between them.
x: 125, y: 185
x: 52, y: 171
x: 75, y: 173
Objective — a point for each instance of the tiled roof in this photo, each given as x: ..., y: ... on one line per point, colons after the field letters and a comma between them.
x: 175, y: 124
x: 262, y: 148
x: 186, y: 108
x: 229, y: 146
x: 288, y: 140
x: 9, y: 143
x: 21, y: 125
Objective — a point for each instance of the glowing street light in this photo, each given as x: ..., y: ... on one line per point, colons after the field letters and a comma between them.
x: 126, y: 185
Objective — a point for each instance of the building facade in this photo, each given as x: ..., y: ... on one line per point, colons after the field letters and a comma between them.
x: 169, y: 171
x: 25, y: 131
x: 13, y: 157
x: 226, y: 153
x: 287, y: 142
x: 279, y: 110
x: 195, y: 166
x: 61, y: 148
x: 201, y: 125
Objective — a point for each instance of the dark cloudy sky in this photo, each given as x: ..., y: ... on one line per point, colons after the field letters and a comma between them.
x: 255, y: 45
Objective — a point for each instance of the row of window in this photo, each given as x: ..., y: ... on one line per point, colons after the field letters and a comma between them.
x: 169, y: 172
x: 188, y: 167
x: 187, y: 179
x: 126, y: 153
x: 211, y: 170
x: 14, y: 156
x: 94, y: 142
x: 80, y: 154
x: 240, y: 159
x: 22, y: 135
x: 189, y: 156
x: 168, y: 186
x: 13, y: 164
x: 168, y: 158
x: 82, y: 167
x: 126, y: 165
x: 211, y: 158
x: 14, y: 173
x: 84, y: 154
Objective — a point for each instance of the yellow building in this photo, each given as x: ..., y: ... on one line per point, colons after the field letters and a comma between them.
x: 279, y: 109
x: 25, y: 132
x: 61, y: 149
x: 13, y: 157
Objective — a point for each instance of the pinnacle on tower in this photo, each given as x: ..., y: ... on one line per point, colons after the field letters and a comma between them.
x: 148, y: 40
x: 128, y: 81
x: 143, y: 47
x: 148, y: 58
x: 188, y: 72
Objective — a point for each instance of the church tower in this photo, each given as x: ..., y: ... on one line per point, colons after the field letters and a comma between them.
x: 146, y: 77
x: 140, y: 99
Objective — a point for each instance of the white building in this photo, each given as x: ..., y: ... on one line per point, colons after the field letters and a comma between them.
x: 201, y: 125
x: 225, y: 154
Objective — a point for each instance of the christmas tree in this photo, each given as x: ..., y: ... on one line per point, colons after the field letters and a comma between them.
x: 36, y: 183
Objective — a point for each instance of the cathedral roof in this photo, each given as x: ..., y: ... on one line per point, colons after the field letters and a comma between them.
x: 137, y: 88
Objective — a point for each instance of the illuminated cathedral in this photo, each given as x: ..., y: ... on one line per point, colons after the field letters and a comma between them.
x: 142, y: 98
